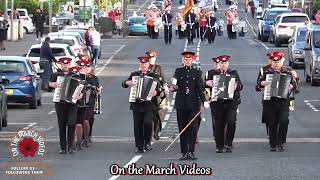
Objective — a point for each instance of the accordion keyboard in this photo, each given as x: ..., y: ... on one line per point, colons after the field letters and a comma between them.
x: 57, y: 91
x: 134, y: 89
x: 214, y: 92
x: 267, y: 89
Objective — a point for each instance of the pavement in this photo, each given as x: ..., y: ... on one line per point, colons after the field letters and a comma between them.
x: 113, y: 129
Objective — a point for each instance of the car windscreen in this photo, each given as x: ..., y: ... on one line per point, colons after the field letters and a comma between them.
x: 35, y: 52
x: 58, y: 52
x: 301, y: 35
x: 13, y: 67
x: 81, y: 32
x: 271, y: 15
x: 316, y: 37
x: 70, y: 42
x: 21, y: 13
x: 137, y: 20
x: 294, y: 19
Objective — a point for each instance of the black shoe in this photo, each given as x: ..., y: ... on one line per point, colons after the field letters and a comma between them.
x: 192, y: 156
x: 228, y: 148
x: 184, y: 157
x: 273, y: 149
x: 148, y: 147
x: 71, y: 150
x: 139, y: 151
x: 281, y: 147
x: 156, y: 136
x: 219, y: 151
x: 85, y: 143
x: 79, y: 146
x: 90, y: 140
x: 62, y: 151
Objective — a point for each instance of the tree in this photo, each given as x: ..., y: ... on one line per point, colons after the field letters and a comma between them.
x: 316, y: 5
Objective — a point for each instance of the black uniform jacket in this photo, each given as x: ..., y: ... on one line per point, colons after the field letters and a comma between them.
x: 146, y: 105
x: 92, y: 85
x: 211, y: 22
x: 167, y: 19
x: 271, y: 71
x: 190, y: 90
x: 236, y: 96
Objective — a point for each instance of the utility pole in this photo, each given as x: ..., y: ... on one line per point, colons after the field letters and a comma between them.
x: 84, y: 12
x: 11, y: 19
x: 6, y: 9
x: 41, y: 4
x: 50, y: 15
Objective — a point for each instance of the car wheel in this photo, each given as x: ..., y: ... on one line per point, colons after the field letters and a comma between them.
x: 277, y: 43
x: 39, y: 103
x: 25, y: 30
x: 308, y: 78
x: 313, y: 82
x: 33, y: 103
x: 264, y: 38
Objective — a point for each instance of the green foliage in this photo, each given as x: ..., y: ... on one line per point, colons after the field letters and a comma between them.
x: 316, y: 6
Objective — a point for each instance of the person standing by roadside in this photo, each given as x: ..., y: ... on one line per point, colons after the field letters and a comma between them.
x: 87, y: 40
x: 3, y: 32
x: 317, y: 16
x: 38, y: 21
x: 46, y: 58
x: 95, y: 41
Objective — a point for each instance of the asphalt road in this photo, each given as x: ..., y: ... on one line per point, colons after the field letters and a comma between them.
x: 113, y: 129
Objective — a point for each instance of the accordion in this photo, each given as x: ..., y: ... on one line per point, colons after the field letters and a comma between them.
x: 83, y: 101
x: 142, y: 88
x: 69, y: 91
x: 223, y: 87
x: 278, y: 86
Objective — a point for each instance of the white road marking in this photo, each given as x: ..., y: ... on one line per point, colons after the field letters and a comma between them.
x: 164, y: 124
x: 109, y: 60
x: 143, y: 5
x: 51, y: 112
x: 133, y: 160
x: 166, y: 118
x: 30, y: 125
x: 265, y: 46
x: 250, y: 26
x: 308, y: 103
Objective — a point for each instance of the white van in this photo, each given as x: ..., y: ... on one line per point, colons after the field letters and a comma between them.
x: 25, y: 19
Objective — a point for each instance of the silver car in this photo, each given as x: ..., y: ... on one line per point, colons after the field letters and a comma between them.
x: 296, y: 45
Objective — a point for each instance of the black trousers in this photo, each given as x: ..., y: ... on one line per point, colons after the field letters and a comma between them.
x: 276, y: 114
x: 202, y: 31
x: 39, y: 30
x: 190, y: 33
x: 188, y: 138
x: 91, y: 121
x: 142, y: 122
x: 197, y: 30
x: 167, y: 34
x: 157, y: 125
x: 149, y: 30
x: 211, y: 35
x: 212, y: 119
x: 181, y: 33
x: 225, y: 116
x: 229, y: 31
x: 66, y: 115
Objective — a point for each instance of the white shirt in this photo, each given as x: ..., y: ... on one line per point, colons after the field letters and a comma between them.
x: 95, y: 38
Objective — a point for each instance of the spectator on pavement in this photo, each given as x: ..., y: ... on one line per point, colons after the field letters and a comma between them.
x: 259, y: 10
x: 16, y: 14
x: 38, y: 21
x: 317, y: 16
x: 95, y: 40
x: 87, y: 40
x: 3, y: 31
x: 46, y: 58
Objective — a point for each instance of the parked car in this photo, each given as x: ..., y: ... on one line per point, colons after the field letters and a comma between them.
x: 283, y: 27
x: 58, y: 50
x: 82, y: 32
x: 296, y: 45
x: 60, y: 33
x: 21, y: 82
x: 159, y: 4
x: 312, y: 55
x: 265, y: 21
x: 137, y: 25
x: 3, y: 107
x: 25, y: 19
x: 75, y: 44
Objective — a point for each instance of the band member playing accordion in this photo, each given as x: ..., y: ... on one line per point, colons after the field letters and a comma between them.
x: 157, y: 69
x: 208, y: 85
x: 225, y: 98
x: 144, y: 86
x: 277, y: 84
x: 188, y: 84
x: 66, y: 112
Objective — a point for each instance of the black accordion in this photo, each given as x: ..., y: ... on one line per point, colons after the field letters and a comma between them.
x: 223, y: 87
x: 69, y: 91
x: 142, y: 88
x: 278, y: 86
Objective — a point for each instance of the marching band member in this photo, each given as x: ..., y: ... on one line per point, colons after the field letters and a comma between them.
x: 142, y: 110
x: 225, y: 111
x: 190, y: 31
x: 147, y: 15
x: 220, y: 27
x: 179, y: 22
x: 276, y: 110
x: 208, y: 85
x: 188, y: 84
x: 202, y: 24
x: 242, y: 28
x: 211, y: 30
x: 82, y: 124
x: 167, y: 21
x: 157, y: 69
x: 66, y: 112
x: 231, y: 15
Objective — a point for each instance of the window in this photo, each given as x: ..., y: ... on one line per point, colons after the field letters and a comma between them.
x: 137, y: 20
x: 271, y: 15
x: 58, y: 52
x: 34, y: 52
x: 294, y: 19
x: 316, y: 39
x: 13, y: 67
x: 301, y: 35
x: 70, y: 42
x: 70, y: 51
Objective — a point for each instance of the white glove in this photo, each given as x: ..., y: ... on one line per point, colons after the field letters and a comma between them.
x: 174, y: 81
x: 206, y: 104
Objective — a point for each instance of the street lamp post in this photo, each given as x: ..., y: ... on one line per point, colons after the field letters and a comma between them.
x: 11, y: 20
x: 50, y: 15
